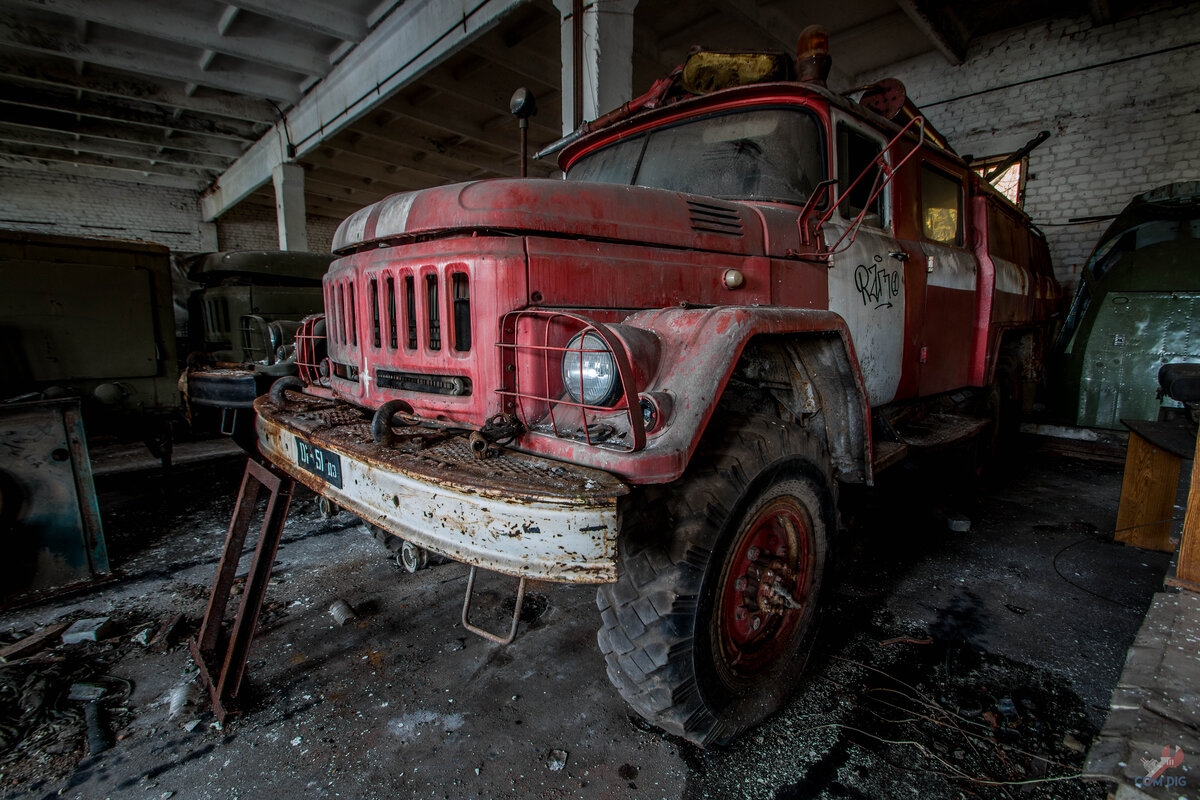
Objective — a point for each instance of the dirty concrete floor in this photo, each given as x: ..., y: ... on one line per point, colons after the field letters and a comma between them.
x: 1027, y: 618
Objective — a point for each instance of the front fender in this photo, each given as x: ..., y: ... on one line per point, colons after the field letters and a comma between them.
x: 699, y: 350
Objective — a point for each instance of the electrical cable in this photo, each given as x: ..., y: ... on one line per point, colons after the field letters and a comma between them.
x: 1027, y: 81
x: 1054, y: 562
x: 287, y: 134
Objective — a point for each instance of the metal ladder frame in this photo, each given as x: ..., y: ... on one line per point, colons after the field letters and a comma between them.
x: 222, y: 654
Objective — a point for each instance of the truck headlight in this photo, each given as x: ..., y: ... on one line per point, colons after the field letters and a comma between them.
x: 588, y: 367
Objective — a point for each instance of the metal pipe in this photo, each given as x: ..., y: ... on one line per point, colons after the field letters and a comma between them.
x: 577, y: 60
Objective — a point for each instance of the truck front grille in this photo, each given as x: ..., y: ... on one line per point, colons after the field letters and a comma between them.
x: 454, y: 385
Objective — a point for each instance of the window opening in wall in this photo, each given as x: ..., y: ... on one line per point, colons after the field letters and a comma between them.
x: 941, y: 206
x: 1011, y: 182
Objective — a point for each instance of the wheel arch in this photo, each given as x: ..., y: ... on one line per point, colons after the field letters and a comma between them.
x: 804, y: 359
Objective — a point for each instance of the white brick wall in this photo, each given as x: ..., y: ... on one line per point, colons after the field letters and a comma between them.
x: 68, y: 205
x: 254, y: 227
x: 75, y: 206
x: 1117, y: 129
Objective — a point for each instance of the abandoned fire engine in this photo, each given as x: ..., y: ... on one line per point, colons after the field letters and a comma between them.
x: 654, y: 374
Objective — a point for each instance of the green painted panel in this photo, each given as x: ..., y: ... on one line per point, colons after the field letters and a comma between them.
x: 1134, y: 334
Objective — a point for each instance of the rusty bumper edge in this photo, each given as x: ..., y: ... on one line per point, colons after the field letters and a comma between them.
x: 564, y: 542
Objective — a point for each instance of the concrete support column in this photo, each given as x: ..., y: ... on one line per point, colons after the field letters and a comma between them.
x: 607, y: 57
x: 208, y: 237
x: 289, y: 206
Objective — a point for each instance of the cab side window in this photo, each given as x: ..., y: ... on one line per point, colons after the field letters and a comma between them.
x: 941, y: 206
x: 857, y: 153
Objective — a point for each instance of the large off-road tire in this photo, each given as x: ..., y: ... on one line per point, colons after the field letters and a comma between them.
x: 698, y: 631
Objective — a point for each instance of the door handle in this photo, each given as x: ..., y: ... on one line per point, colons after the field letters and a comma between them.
x: 899, y: 255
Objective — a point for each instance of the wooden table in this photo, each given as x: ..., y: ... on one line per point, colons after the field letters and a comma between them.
x: 1153, y: 462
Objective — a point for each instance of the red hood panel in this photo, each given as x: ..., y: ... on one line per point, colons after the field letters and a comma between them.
x: 573, y: 209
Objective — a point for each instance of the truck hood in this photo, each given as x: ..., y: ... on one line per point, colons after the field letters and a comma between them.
x: 570, y: 209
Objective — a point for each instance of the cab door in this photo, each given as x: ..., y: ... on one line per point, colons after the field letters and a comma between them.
x: 949, y: 326
x: 870, y: 281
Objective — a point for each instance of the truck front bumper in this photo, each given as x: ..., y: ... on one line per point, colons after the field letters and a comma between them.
x: 512, y: 512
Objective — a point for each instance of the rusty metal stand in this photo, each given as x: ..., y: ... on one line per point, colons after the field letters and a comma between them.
x: 221, y: 654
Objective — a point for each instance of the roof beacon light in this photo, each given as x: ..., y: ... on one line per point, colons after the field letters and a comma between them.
x: 812, y: 55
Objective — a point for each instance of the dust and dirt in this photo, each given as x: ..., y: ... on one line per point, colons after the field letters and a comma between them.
x: 972, y: 664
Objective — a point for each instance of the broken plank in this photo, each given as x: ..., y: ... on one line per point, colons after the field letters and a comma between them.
x: 31, y: 643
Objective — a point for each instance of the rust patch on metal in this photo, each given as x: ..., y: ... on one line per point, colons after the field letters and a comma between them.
x: 433, y: 457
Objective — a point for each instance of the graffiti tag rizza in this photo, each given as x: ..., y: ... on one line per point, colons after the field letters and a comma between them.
x: 877, y: 284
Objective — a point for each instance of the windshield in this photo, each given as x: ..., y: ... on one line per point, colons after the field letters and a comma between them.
x: 770, y: 154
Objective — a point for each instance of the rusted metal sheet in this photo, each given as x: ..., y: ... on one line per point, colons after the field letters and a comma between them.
x: 513, y: 513
x: 49, y: 517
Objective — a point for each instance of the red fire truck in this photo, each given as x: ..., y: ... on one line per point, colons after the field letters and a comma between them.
x: 654, y: 375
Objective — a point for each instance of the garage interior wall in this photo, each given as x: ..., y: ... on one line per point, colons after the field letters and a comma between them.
x: 1120, y: 100
x: 67, y: 205
x: 253, y: 227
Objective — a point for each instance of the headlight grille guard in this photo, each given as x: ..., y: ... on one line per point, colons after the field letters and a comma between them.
x: 311, y: 352
x: 533, y: 337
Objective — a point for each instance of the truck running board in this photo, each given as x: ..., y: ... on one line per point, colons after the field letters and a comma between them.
x: 930, y: 431
x: 939, y: 430
x: 516, y: 617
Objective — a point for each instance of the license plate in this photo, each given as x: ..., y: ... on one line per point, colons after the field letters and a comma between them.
x: 319, y: 461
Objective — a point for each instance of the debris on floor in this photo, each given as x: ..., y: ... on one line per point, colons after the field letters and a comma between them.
x: 974, y: 664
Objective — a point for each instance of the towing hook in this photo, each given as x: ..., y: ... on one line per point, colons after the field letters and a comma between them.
x: 287, y: 383
x: 381, y: 423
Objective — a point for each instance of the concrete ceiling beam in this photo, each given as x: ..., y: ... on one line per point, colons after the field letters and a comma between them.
x: 119, y: 163
x: 190, y: 25
x: 311, y: 15
x: 405, y: 45
x: 56, y: 74
x: 59, y: 168
x: 65, y: 122
x: 161, y: 153
x: 941, y: 27
x: 17, y: 34
x: 147, y: 115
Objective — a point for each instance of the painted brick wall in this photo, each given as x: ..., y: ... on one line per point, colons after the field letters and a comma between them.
x: 67, y: 205
x: 253, y: 227
x: 1117, y: 128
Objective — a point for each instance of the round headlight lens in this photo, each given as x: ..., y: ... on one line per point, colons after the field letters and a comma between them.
x: 588, y: 366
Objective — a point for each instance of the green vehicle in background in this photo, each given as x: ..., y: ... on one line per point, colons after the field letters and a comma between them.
x: 1137, y: 308
x: 243, y: 323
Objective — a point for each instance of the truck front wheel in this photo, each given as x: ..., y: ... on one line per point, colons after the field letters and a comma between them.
x: 713, y: 614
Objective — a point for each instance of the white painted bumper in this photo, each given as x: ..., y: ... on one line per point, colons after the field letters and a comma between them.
x: 522, y: 530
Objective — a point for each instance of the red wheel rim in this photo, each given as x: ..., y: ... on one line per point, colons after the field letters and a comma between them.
x: 765, y: 587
